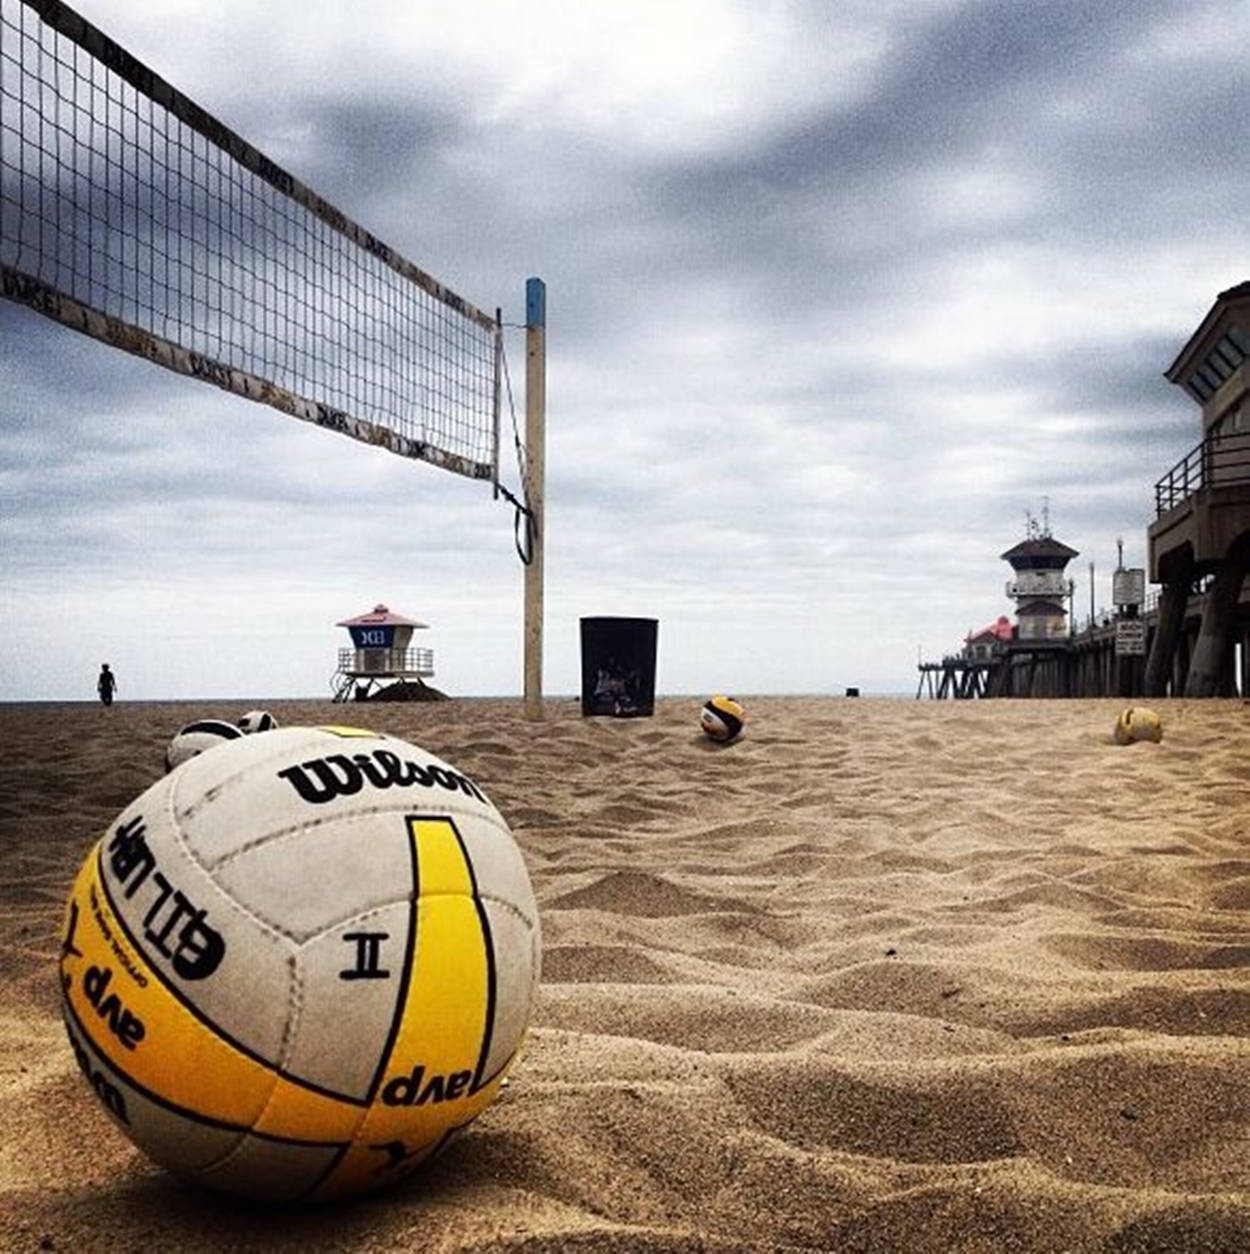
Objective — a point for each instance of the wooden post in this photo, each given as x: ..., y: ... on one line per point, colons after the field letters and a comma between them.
x: 1180, y: 663
x: 536, y: 476
x: 1209, y: 665
x: 1172, y: 602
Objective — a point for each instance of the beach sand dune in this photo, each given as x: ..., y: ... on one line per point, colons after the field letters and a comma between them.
x: 882, y: 975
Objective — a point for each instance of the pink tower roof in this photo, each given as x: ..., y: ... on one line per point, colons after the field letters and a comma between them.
x: 380, y: 616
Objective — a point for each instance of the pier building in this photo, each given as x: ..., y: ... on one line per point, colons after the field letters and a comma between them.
x: 1199, y: 542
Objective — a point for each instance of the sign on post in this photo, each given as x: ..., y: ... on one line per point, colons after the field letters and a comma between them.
x: 1128, y: 587
x: 1130, y: 637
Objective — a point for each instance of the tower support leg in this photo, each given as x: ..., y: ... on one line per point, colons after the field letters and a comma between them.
x: 1159, y: 668
x: 1209, y: 666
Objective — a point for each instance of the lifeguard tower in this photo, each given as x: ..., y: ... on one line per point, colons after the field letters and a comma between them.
x: 1040, y: 587
x: 380, y: 654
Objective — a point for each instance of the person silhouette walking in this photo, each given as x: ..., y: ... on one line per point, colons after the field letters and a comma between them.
x: 106, y: 685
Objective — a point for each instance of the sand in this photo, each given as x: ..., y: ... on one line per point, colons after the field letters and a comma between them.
x: 883, y: 975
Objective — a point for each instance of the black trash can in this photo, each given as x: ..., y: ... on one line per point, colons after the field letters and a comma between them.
x: 618, y: 666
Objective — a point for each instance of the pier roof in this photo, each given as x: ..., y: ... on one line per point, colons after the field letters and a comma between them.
x: 1039, y: 546
x: 1195, y: 347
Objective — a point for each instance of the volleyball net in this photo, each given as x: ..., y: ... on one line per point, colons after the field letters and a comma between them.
x: 129, y: 213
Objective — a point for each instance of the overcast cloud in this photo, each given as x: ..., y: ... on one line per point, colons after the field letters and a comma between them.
x: 837, y: 293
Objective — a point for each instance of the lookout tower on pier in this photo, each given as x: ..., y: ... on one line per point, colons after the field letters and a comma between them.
x: 380, y: 652
x: 1031, y: 659
x: 1039, y: 587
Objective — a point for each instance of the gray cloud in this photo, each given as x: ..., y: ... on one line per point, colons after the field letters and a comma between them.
x: 809, y: 376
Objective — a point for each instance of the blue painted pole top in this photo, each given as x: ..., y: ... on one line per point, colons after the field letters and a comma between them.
x: 535, y: 303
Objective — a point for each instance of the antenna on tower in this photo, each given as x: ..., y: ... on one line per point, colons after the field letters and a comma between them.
x: 1046, y: 516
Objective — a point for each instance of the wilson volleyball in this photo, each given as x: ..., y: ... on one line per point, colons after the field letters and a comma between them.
x: 256, y: 721
x: 296, y: 966
x: 1138, y: 722
x: 195, y: 738
x: 722, y: 718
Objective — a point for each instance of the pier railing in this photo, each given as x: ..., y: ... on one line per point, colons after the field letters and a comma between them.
x: 1219, y: 461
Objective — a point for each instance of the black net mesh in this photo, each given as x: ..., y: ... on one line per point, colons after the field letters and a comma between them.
x: 129, y: 213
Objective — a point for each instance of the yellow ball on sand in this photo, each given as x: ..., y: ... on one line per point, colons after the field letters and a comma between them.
x: 722, y: 718
x: 1138, y: 722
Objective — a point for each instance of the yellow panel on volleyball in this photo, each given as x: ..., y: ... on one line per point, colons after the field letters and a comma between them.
x: 134, y: 1020
x: 427, y: 1086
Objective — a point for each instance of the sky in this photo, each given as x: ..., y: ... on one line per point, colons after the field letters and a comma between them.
x: 839, y: 297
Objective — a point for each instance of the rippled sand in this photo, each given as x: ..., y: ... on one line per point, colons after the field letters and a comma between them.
x: 883, y: 975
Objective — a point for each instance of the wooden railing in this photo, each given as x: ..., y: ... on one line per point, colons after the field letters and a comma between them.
x: 1219, y: 461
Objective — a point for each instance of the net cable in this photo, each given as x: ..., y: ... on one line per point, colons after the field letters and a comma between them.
x: 524, y: 519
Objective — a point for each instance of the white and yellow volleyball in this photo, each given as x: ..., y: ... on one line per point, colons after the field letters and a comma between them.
x: 722, y: 718
x: 195, y: 738
x: 1138, y: 722
x: 256, y: 721
x: 297, y: 965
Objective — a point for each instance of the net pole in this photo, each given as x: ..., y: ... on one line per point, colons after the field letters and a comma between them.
x: 535, y: 475
x: 497, y: 403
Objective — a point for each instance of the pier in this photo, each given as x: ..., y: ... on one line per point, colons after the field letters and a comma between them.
x: 954, y: 677
x: 1190, y: 638
x: 1087, y: 664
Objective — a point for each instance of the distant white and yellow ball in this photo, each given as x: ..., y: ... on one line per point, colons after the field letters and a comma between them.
x: 256, y: 721
x: 297, y: 965
x: 1138, y: 722
x: 722, y: 718
x: 198, y: 737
